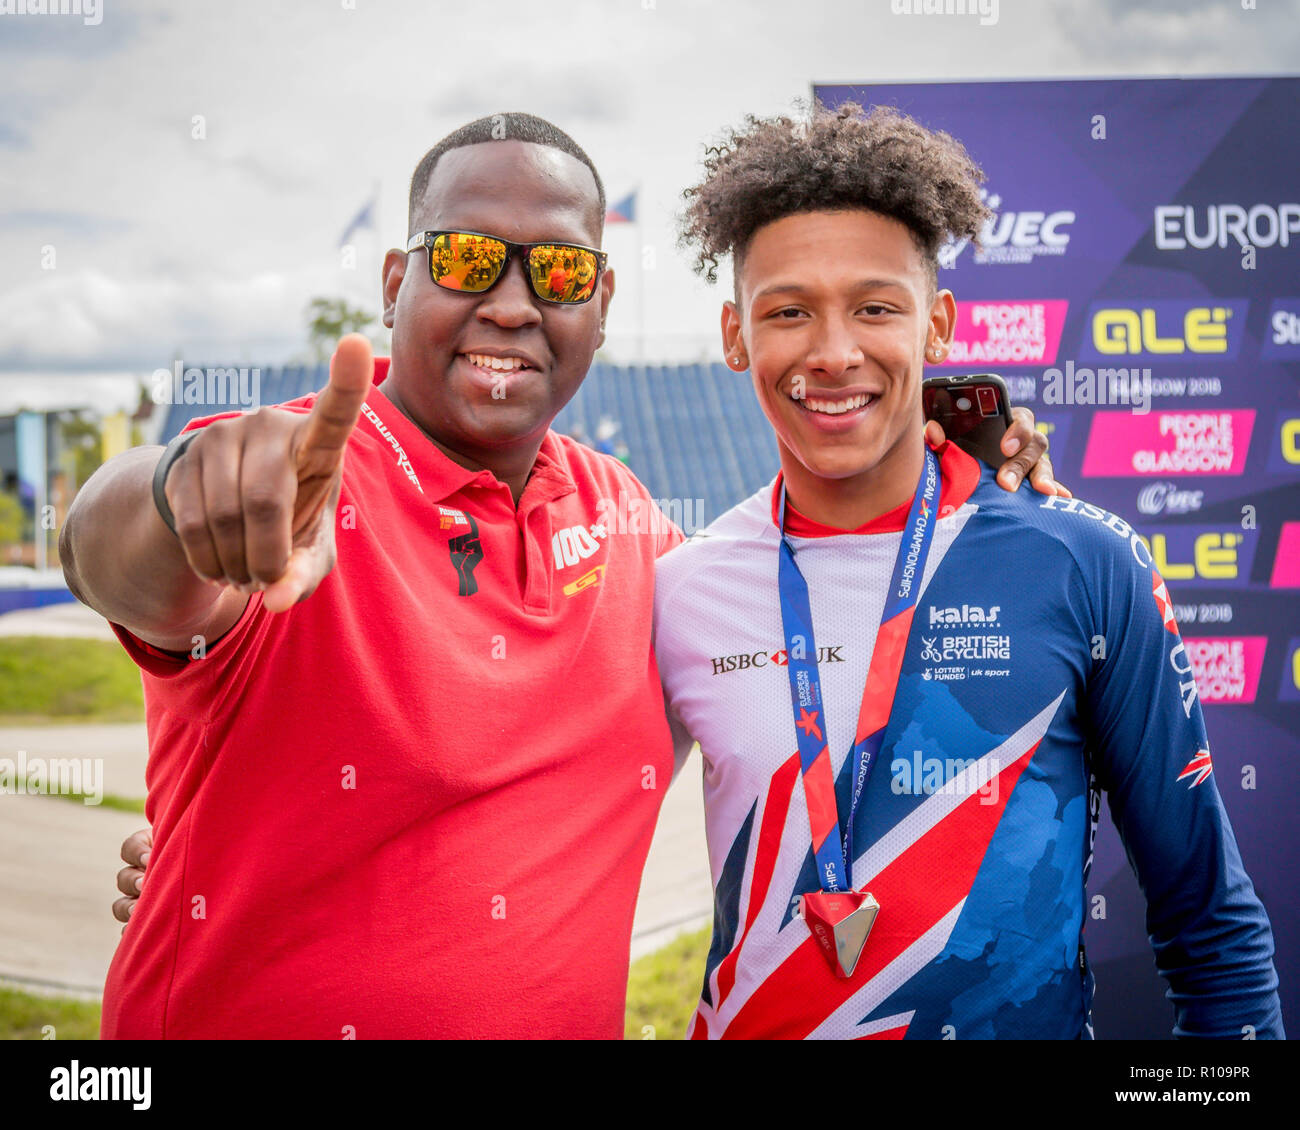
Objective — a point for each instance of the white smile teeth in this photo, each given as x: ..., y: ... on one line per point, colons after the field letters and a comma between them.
x: 838, y: 407
x: 500, y: 364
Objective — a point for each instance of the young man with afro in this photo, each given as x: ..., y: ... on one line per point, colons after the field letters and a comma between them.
x: 909, y: 860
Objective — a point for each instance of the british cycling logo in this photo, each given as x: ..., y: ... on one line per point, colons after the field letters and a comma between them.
x: 1013, y: 237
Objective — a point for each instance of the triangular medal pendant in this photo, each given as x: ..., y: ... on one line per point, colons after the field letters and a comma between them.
x: 840, y: 923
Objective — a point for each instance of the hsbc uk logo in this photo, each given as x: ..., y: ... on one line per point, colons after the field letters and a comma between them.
x: 725, y: 664
x: 966, y: 616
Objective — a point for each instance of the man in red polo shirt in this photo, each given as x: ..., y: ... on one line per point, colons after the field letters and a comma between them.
x: 418, y: 803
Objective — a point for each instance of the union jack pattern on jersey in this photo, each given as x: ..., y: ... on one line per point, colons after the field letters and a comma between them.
x: 1043, y: 665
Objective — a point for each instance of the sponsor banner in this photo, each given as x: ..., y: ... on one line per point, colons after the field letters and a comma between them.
x: 1284, y: 451
x: 1226, y: 668
x: 1286, y: 565
x: 1165, y: 330
x: 1015, y: 332
x: 1204, y: 555
x: 1168, y: 443
x: 1289, y: 690
x: 1282, y: 331
x: 1169, y: 498
x: 1129, y: 199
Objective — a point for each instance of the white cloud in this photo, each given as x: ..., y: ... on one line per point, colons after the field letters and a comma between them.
x: 211, y: 248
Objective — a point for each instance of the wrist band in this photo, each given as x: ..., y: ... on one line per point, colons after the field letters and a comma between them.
x: 174, y: 451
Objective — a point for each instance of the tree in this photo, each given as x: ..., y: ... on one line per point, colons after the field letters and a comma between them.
x: 330, y: 319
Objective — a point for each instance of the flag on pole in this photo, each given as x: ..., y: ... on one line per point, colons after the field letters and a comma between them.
x: 363, y: 219
x: 622, y: 212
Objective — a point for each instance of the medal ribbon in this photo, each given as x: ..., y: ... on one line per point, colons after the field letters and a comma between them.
x: 833, y: 851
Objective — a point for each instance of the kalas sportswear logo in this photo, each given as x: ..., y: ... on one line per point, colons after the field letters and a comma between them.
x: 745, y: 662
x: 966, y: 615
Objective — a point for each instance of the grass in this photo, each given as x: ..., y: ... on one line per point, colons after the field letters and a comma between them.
x: 661, y: 994
x: 107, y: 800
x: 24, y: 1016
x: 71, y: 680
x: 663, y: 988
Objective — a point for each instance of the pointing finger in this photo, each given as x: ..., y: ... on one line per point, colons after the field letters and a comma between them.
x: 335, y: 412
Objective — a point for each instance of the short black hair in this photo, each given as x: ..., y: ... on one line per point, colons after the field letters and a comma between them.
x: 831, y: 160
x: 514, y: 126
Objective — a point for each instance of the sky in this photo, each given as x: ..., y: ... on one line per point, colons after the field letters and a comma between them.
x: 175, y: 179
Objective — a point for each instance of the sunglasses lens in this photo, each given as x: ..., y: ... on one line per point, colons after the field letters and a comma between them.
x: 562, y: 273
x: 470, y: 263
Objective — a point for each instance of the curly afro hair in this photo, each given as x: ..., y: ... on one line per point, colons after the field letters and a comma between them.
x: 882, y: 161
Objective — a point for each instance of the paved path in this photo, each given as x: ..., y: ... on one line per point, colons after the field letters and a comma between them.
x: 68, y: 619
x: 676, y: 890
x: 118, y: 750
x: 58, y: 860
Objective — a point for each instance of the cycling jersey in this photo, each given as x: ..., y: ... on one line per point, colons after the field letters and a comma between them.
x: 1043, y: 663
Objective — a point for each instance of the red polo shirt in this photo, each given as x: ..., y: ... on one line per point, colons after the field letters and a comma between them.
x: 419, y: 803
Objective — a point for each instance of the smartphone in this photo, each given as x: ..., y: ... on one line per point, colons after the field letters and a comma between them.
x: 975, y: 412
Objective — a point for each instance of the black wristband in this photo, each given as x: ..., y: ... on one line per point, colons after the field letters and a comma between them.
x: 174, y: 451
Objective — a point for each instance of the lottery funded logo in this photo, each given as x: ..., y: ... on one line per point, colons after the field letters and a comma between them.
x: 1226, y: 668
x: 1168, y: 443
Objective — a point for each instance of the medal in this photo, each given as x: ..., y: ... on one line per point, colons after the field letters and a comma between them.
x: 840, y: 924
x: 839, y: 917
